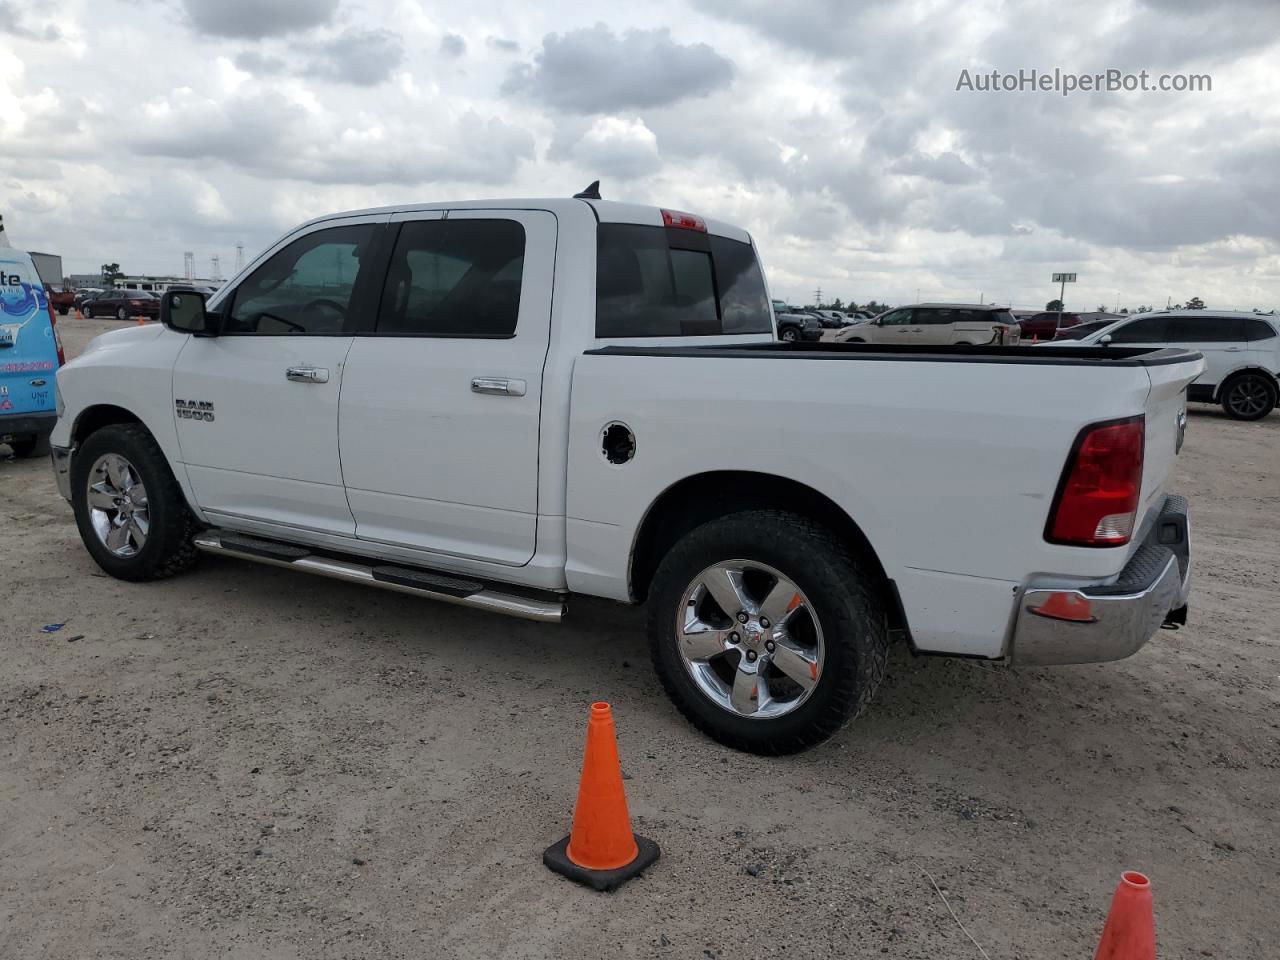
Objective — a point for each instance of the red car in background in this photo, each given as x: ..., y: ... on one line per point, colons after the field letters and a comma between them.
x: 1044, y: 326
x: 123, y: 304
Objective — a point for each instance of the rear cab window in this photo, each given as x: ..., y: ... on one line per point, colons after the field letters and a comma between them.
x: 656, y: 281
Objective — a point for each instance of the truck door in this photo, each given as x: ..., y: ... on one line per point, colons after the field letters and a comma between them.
x: 257, y: 406
x: 441, y: 400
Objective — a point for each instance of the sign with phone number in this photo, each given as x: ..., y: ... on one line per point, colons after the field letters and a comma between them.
x: 30, y: 366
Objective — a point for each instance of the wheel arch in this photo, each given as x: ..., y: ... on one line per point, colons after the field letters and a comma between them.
x: 702, y: 497
x: 99, y: 415
x: 1248, y: 368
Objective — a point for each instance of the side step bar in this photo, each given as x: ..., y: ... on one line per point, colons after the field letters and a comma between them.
x: 410, y: 580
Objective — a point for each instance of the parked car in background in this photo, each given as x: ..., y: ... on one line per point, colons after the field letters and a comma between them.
x: 1241, y: 353
x: 123, y: 304
x: 793, y: 327
x: 832, y: 319
x: 86, y: 294
x: 1046, y: 324
x: 1080, y: 330
x: 955, y: 324
x: 60, y: 300
x: 30, y: 355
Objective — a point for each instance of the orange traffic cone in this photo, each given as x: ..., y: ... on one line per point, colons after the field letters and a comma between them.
x: 1066, y: 605
x: 601, y: 852
x: 1130, y: 930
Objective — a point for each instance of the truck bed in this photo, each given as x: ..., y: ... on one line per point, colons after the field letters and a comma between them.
x: 947, y: 458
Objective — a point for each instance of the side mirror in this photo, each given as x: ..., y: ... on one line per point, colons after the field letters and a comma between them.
x: 184, y: 311
x: 1105, y: 340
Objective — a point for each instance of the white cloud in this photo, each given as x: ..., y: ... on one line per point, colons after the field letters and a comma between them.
x: 832, y: 131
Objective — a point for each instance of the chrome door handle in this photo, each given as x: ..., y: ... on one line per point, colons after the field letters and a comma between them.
x: 307, y: 374
x: 1233, y: 349
x: 500, y: 386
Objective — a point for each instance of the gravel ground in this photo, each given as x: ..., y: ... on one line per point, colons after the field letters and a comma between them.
x: 253, y: 762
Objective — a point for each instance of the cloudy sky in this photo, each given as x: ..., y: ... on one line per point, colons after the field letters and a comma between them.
x: 133, y: 130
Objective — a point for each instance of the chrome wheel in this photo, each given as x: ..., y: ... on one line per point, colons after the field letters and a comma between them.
x: 749, y: 639
x: 117, y: 503
x: 1249, y: 397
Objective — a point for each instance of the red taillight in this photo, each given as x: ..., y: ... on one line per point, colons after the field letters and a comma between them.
x: 1097, y: 501
x: 684, y: 221
x: 57, y: 340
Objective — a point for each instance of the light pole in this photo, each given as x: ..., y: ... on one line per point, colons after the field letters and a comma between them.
x: 1062, y: 279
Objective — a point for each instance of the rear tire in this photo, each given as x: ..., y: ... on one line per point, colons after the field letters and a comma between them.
x: 63, y: 311
x: 169, y: 525
x: 1248, y: 396
x: 842, y: 630
x: 30, y: 446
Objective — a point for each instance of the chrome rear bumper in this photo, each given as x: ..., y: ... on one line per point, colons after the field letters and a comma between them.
x: 1091, y: 624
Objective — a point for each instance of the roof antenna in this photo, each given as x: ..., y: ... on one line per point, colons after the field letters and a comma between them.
x: 591, y: 193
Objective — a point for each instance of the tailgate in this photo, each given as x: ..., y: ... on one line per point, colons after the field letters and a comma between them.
x: 1166, y: 412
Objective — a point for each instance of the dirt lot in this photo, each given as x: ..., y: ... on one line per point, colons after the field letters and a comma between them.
x: 250, y: 762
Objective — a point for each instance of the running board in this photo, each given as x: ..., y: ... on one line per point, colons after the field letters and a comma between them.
x: 410, y: 580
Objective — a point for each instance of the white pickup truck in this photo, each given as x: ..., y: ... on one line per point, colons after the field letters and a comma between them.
x: 503, y: 403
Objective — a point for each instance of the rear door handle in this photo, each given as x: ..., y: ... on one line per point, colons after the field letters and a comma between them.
x: 307, y: 374
x: 499, y: 386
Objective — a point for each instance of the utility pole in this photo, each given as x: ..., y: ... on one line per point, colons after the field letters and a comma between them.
x: 217, y: 267
x: 817, y: 297
x: 239, y: 257
x: 189, y: 264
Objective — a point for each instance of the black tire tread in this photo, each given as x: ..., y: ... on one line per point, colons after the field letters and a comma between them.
x: 178, y: 550
x: 1230, y: 382
x: 856, y: 620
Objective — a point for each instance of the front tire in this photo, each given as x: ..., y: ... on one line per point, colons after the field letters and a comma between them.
x: 809, y: 654
x: 122, y: 314
x: 789, y: 335
x: 1249, y: 396
x: 131, y: 513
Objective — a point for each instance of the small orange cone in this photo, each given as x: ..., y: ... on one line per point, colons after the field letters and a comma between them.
x: 1070, y: 606
x: 601, y: 852
x: 1130, y: 930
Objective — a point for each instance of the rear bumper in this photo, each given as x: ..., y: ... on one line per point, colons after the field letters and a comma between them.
x: 61, y: 457
x: 14, y: 425
x: 1091, y: 624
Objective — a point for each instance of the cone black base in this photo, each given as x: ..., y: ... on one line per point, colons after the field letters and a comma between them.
x: 556, y: 857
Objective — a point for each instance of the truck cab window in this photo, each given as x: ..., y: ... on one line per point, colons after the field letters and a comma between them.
x: 305, y: 288
x: 454, y: 278
x: 656, y: 282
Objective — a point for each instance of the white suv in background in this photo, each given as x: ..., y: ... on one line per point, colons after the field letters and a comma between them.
x: 1241, y: 353
x: 946, y: 324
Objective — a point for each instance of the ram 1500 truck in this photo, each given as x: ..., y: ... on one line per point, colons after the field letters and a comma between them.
x: 503, y: 403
